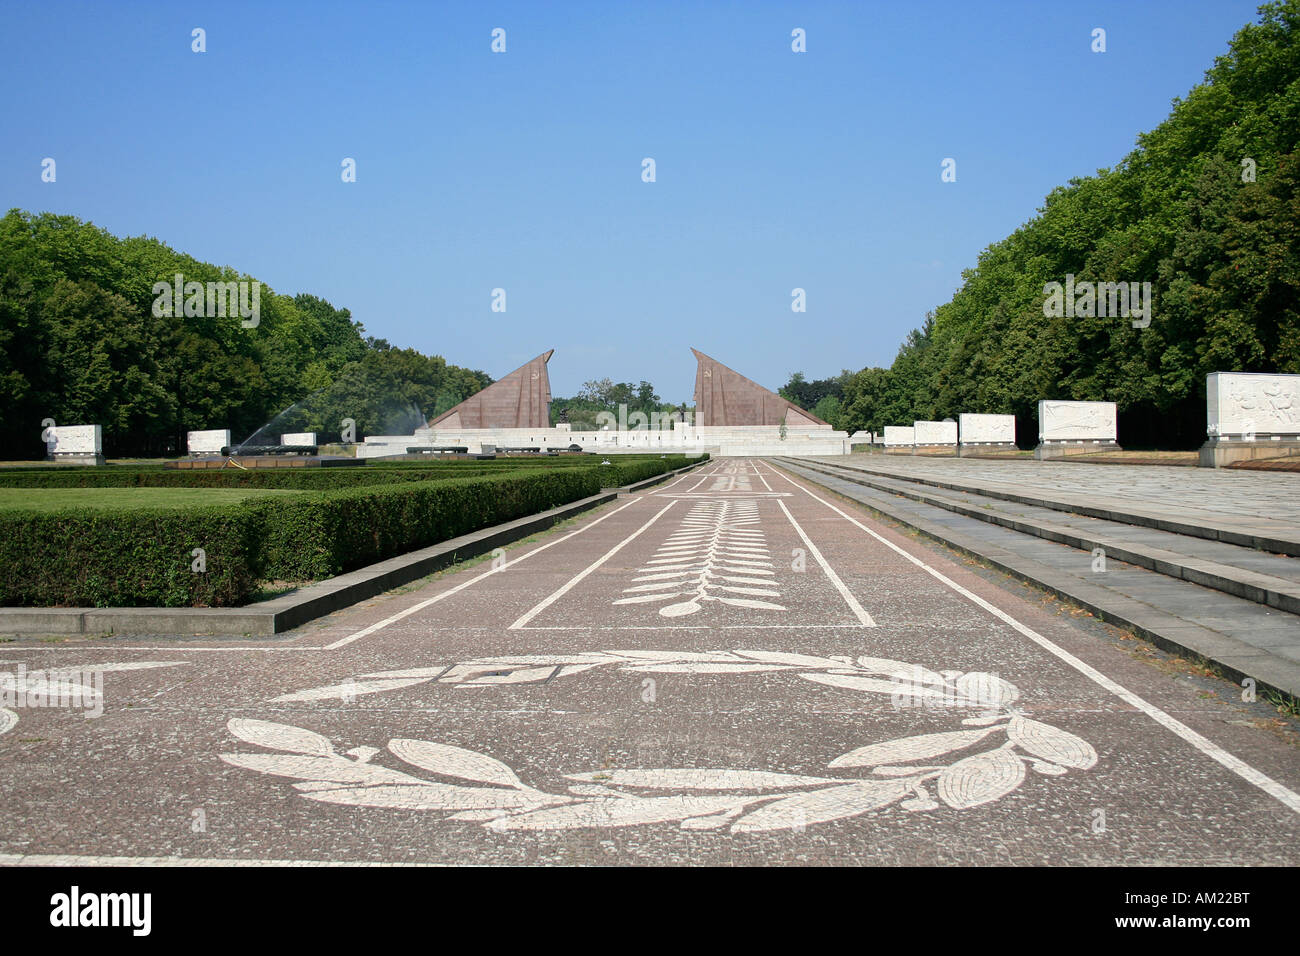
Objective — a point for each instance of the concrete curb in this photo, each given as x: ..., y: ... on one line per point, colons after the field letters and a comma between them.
x: 306, y: 604
x: 1235, y: 659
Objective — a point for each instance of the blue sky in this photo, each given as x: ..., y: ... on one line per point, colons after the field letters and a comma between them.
x: 522, y: 170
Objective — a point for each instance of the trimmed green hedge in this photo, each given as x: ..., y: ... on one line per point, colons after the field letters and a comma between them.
x: 321, y: 479
x: 306, y: 479
x: 142, y: 557
x: 127, y: 558
x: 317, y: 536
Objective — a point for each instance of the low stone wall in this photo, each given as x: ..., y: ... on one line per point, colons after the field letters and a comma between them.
x: 720, y: 441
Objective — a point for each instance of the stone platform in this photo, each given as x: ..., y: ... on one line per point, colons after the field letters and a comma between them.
x: 720, y: 441
x: 1204, y: 562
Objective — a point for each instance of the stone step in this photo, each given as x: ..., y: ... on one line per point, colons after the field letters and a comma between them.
x: 1189, y: 517
x: 1273, y: 580
x: 1242, y: 638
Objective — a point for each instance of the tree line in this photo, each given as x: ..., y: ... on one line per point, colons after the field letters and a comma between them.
x: 604, y: 395
x: 81, y: 342
x: 1206, y: 208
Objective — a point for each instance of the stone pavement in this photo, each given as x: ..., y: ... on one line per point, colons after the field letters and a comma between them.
x: 1141, y: 564
x: 735, y: 667
x: 1265, y: 505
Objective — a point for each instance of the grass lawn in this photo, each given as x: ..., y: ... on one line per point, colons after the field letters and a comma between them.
x: 51, y: 499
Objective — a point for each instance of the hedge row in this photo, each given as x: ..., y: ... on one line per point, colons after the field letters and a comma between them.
x: 306, y: 479
x: 143, y: 557
x: 317, y: 536
x: 128, y: 558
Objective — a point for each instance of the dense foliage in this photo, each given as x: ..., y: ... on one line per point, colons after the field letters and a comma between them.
x: 1220, y: 247
x: 823, y: 397
x: 583, y: 410
x: 143, y: 556
x: 80, y: 344
x: 624, y: 468
x: 140, y: 557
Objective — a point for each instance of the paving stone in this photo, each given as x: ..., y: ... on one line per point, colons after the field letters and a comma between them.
x: 736, y: 667
x: 1069, y: 570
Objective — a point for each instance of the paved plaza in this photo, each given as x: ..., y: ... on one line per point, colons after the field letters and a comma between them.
x: 1268, y: 502
x: 735, y: 667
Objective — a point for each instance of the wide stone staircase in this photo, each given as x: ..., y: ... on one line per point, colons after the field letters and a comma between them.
x: 1203, y: 565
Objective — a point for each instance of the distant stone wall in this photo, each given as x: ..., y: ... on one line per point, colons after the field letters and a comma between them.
x: 721, y: 441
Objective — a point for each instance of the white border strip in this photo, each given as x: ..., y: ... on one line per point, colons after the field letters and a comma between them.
x: 573, y: 581
x: 464, y: 584
x: 845, y: 593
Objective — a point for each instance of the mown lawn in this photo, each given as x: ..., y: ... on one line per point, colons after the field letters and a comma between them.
x: 52, y: 499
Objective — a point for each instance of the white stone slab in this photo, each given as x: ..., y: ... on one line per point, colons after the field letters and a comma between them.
x: 983, y: 429
x: 935, y: 433
x: 75, y: 440
x: 721, y: 441
x: 298, y: 438
x: 207, y: 442
x: 1077, y: 421
x: 900, y: 435
x: 1247, y: 403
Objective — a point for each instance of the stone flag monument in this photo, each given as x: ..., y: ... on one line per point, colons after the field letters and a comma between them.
x: 520, y: 400
x: 724, y: 397
x: 734, y: 416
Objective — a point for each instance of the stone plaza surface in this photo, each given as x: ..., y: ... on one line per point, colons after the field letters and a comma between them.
x: 1262, y: 502
x: 1219, y: 588
x: 734, y: 667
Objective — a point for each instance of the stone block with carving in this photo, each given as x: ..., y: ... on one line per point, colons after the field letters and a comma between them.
x: 987, y: 429
x: 207, y: 441
x: 934, y: 433
x: 1077, y: 421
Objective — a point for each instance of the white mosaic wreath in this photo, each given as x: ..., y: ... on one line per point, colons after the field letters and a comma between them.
x: 1001, y: 742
